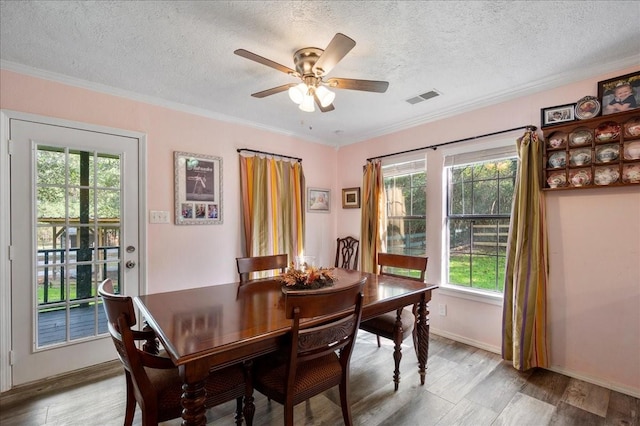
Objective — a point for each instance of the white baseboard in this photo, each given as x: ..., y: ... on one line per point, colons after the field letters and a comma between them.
x: 556, y: 369
x: 466, y: 341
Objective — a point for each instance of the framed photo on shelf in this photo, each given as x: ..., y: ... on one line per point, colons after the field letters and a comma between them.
x: 620, y: 93
x: 351, y: 198
x: 557, y: 114
x: 198, y: 189
x: 318, y: 200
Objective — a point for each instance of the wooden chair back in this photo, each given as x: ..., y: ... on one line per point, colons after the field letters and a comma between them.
x: 342, y: 309
x: 347, y: 253
x: 400, y: 261
x: 246, y: 265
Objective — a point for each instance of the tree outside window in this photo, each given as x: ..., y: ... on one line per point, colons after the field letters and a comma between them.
x: 479, y: 200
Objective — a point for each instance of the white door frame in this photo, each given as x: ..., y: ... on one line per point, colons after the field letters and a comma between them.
x: 5, y: 224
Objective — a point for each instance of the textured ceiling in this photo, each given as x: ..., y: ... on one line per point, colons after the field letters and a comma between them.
x: 180, y: 54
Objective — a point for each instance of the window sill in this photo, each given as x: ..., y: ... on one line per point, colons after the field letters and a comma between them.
x: 471, y: 294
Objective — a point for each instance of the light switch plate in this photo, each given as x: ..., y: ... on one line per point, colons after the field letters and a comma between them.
x: 158, y: 216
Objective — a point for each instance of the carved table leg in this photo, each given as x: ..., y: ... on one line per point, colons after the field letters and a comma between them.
x: 249, y: 407
x: 423, y: 338
x: 193, y: 393
x: 397, y: 348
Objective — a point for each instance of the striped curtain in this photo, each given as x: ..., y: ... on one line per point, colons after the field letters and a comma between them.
x: 272, y: 193
x: 524, y: 321
x: 373, y: 223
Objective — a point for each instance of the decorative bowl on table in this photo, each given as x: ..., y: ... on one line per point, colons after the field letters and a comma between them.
x: 308, y: 278
x: 631, y: 173
x: 557, y: 160
x: 606, y: 176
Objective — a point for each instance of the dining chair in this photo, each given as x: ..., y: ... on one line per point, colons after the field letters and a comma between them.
x: 347, y: 253
x: 153, y: 381
x: 383, y: 325
x: 246, y: 265
x: 319, y: 351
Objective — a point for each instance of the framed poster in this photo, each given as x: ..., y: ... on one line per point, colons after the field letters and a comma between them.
x: 198, y: 189
x: 318, y: 200
x: 351, y: 198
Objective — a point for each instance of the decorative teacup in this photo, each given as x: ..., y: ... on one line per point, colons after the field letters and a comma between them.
x: 580, y: 178
x: 631, y: 173
x: 556, y: 142
x: 581, y: 158
x: 556, y: 180
x: 607, y: 154
x: 557, y: 161
x: 606, y: 176
x: 633, y: 150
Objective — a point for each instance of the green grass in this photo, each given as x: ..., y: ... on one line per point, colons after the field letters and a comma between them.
x: 484, y: 272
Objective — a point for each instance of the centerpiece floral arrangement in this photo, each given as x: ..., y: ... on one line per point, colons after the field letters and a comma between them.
x: 308, y: 277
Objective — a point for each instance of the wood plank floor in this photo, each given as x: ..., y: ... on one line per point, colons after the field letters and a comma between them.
x: 465, y: 386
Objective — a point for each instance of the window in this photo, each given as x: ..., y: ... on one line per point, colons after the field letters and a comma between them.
x: 405, y: 188
x: 479, y: 198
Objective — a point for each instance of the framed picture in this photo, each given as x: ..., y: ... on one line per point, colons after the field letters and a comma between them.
x: 351, y: 198
x: 587, y: 107
x: 619, y: 94
x: 198, y: 189
x: 557, y: 114
x: 318, y: 200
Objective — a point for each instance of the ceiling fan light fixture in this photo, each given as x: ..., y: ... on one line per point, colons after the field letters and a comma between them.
x: 307, y: 104
x: 325, y: 96
x: 297, y: 93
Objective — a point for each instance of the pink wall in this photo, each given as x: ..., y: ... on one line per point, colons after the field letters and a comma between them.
x: 594, y: 289
x: 183, y: 256
x: 594, y: 245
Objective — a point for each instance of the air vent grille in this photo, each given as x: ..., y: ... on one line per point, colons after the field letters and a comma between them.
x: 423, y: 97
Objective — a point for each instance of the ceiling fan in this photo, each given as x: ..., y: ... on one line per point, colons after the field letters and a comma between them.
x: 312, y: 65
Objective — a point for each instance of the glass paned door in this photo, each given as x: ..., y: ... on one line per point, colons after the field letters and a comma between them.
x: 78, y: 210
x: 74, y: 223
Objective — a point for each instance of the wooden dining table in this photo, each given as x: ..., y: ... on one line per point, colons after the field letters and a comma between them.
x: 211, y: 327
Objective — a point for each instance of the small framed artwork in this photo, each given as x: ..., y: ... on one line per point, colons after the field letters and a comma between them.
x: 198, y: 189
x: 351, y: 198
x: 587, y: 107
x: 557, y: 114
x: 619, y: 94
x: 318, y: 200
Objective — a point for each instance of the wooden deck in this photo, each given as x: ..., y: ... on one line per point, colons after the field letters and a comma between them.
x: 52, y: 324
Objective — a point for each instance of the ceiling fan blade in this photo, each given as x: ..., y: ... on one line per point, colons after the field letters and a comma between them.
x: 273, y: 90
x: 264, y: 61
x: 339, y: 46
x: 364, y: 85
x: 328, y: 108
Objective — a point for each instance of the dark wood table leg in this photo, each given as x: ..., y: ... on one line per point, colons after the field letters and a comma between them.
x: 423, y: 337
x: 249, y: 408
x: 193, y: 376
x: 397, y: 348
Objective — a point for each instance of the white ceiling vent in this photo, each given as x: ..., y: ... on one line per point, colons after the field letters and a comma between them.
x: 423, y: 97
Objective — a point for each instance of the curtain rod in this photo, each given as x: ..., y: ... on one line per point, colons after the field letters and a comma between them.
x: 434, y: 147
x: 299, y: 160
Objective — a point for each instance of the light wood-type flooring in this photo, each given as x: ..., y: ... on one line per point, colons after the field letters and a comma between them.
x: 464, y: 386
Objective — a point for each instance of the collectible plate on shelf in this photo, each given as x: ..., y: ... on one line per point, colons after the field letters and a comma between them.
x: 607, y: 153
x: 587, y: 107
x: 632, y: 127
x: 607, y: 131
x: 606, y: 176
x: 556, y: 180
x: 557, y: 160
x: 580, y: 137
